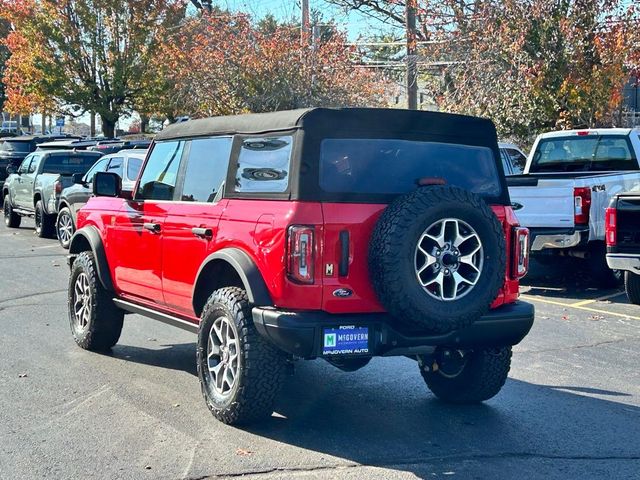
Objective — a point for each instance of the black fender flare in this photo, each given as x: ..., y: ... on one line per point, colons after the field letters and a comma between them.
x: 246, y: 269
x: 88, y: 238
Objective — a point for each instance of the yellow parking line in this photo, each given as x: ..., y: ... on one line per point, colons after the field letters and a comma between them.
x: 599, y: 299
x: 588, y: 309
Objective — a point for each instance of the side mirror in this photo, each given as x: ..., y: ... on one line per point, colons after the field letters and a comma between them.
x: 78, y: 178
x: 11, y: 169
x: 107, y: 184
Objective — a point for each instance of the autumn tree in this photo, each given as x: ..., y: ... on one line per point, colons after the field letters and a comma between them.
x: 225, y: 64
x: 95, y: 55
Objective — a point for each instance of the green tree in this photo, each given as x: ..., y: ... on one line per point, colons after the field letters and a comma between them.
x: 97, y: 54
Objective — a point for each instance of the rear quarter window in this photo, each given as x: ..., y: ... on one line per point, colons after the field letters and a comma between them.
x: 393, y: 166
x: 264, y: 164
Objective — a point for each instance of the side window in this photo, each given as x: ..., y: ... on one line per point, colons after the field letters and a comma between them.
x: 518, y: 160
x: 34, y: 163
x: 158, y: 180
x: 506, y: 164
x: 24, y: 166
x: 115, y: 166
x: 133, y: 167
x: 263, y: 164
x: 206, y: 169
x: 99, y: 166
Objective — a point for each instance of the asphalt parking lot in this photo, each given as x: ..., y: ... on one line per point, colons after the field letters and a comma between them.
x: 571, y: 408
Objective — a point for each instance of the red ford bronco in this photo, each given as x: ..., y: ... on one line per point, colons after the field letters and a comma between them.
x: 339, y: 234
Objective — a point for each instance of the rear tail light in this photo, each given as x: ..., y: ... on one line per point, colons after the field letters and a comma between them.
x: 301, y: 252
x: 520, y: 252
x: 581, y: 205
x: 610, y: 228
x: 57, y: 187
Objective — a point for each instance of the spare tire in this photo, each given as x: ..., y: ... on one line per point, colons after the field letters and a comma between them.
x: 437, y: 258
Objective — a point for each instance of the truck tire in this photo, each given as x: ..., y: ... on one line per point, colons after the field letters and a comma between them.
x: 437, y: 258
x: 480, y: 377
x: 65, y: 227
x: 11, y: 219
x: 44, y: 222
x: 96, y: 323
x: 632, y: 287
x: 599, y: 271
x: 240, y: 373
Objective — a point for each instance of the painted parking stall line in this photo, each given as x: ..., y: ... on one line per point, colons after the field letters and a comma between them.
x: 577, y: 307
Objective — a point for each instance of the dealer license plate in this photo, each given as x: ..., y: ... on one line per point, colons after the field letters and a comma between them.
x: 345, y: 340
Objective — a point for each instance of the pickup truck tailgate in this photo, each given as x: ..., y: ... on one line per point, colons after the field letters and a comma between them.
x: 542, y: 202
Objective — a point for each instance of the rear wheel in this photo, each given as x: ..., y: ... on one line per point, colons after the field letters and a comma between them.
x: 11, y: 219
x: 632, y: 287
x: 240, y: 373
x: 599, y: 270
x: 65, y: 227
x: 44, y: 222
x: 96, y: 323
x: 466, y: 376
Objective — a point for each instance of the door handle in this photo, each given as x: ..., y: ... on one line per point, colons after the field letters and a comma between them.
x: 202, y: 232
x: 152, y: 227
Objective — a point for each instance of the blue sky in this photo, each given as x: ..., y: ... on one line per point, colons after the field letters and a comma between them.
x: 354, y: 23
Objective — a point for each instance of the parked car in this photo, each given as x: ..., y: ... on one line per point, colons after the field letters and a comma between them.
x: 317, y: 233
x: 567, y: 183
x: 113, y: 146
x: 73, y: 144
x: 34, y: 189
x: 513, y: 159
x: 13, y: 150
x: 622, y: 228
x: 125, y: 163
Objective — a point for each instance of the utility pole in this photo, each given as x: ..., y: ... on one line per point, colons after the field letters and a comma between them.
x: 412, y: 58
x: 304, y: 31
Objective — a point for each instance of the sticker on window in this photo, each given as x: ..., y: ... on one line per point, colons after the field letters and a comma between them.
x: 263, y: 165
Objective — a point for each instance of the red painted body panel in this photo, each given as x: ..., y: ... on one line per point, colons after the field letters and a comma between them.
x: 160, y: 270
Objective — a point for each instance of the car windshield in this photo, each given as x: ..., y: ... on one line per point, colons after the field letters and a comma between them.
x: 69, y: 164
x: 583, y: 153
x: 394, y: 166
x: 15, y: 146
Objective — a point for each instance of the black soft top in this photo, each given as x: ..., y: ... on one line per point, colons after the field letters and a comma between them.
x: 324, y: 121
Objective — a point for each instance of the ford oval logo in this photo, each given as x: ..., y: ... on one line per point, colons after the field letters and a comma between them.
x: 342, y: 293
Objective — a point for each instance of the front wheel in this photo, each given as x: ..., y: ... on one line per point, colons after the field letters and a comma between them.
x: 96, y: 323
x: 465, y: 377
x: 240, y: 373
x: 11, y: 219
x: 65, y: 227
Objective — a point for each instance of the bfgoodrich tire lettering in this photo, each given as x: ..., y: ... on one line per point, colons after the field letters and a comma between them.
x: 96, y: 323
x: 394, y: 248
x: 258, y: 367
x: 482, y: 377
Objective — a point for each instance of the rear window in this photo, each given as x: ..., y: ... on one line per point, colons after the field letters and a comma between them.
x: 69, y: 164
x: 9, y: 146
x: 584, y: 153
x: 393, y: 166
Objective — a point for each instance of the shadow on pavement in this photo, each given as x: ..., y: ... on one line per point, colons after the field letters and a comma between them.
x: 181, y: 356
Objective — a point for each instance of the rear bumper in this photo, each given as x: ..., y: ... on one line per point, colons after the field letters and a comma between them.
x: 624, y: 261
x: 301, y: 333
x: 544, y: 238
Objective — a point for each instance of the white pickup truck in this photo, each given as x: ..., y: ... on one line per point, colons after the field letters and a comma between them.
x: 567, y: 183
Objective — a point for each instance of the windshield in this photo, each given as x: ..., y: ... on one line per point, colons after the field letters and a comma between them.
x: 15, y: 146
x: 583, y: 153
x: 394, y: 166
x: 69, y: 164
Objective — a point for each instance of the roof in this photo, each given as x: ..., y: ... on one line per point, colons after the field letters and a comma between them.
x: 328, y: 120
x: 590, y: 131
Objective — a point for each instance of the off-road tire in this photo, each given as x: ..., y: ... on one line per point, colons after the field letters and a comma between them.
x: 11, y: 219
x: 392, y: 258
x: 45, y: 223
x: 105, y: 321
x: 64, y: 213
x: 632, y: 287
x: 482, y: 377
x: 262, y: 367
